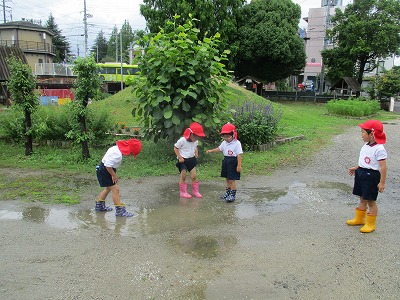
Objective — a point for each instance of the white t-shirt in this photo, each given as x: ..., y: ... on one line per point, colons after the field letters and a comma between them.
x: 233, y: 149
x: 370, y: 155
x: 186, y: 149
x: 112, y: 158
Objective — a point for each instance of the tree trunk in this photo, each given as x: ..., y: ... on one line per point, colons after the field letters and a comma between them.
x: 28, y: 135
x: 84, y: 143
x: 360, y: 76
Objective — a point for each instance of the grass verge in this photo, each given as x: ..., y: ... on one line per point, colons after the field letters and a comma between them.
x: 308, y: 119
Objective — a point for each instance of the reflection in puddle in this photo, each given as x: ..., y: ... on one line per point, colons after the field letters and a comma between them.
x: 169, y: 214
x: 260, y: 201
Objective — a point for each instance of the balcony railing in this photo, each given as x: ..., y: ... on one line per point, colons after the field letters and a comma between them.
x: 29, y: 46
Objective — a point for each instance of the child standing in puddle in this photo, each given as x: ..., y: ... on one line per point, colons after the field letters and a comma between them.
x: 369, y: 175
x: 232, y: 162
x: 186, y: 152
x: 107, y: 175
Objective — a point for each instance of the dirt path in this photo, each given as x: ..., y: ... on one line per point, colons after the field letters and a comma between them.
x: 285, y: 238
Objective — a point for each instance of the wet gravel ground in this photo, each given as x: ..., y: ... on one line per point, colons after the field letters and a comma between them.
x: 284, y: 238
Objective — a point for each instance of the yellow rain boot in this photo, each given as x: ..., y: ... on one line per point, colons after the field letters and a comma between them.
x: 359, y: 218
x: 370, y: 224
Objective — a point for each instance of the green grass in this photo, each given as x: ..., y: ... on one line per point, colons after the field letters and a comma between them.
x: 308, y: 119
x: 40, y: 187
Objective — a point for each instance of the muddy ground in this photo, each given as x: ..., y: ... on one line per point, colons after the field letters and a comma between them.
x: 284, y: 238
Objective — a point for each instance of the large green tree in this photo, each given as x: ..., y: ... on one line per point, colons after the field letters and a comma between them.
x: 388, y: 85
x: 182, y: 80
x: 22, y: 85
x: 270, y: 46
x: 60, y: 42
x: 366, y: 32
x: 128, y: 39
x: 99, y: 48
x: 112, y: 45
x: 213, y: 16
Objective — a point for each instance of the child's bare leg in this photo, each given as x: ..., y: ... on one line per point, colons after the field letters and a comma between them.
x: 363, y: 204
x: 103, y: 194
x: 193, y: 175
x: 182, y: 178
x: 373, y: 208
x: 232, y: 184
x: 115, y: 194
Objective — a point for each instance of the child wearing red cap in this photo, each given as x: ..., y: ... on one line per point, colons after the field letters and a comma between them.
x: 107, y: 175
x: 232, y: 162
x: 186, y: 151
x: 369, y: 175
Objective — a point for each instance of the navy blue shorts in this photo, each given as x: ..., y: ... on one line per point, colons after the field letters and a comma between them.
x: 366, y: 183
x: 188, y: 164
x: 103, y: 176
x: 228, y: 169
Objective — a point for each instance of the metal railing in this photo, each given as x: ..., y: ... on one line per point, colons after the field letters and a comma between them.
x: 29, y: 46
x: 53, y: 69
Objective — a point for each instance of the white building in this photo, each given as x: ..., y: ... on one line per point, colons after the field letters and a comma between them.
x: 318, y: 21
x: 317, y: 24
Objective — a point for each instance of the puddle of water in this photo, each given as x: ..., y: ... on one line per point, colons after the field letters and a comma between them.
x: 55, y: 217
x: 261, y: 201
x: 166, y: 214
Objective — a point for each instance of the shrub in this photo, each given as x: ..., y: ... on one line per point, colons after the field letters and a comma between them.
x: 358, y: 107
x: 182, y: 79
x: 51, y: 123
x: 256, y: 123
x: 54, y: 122
x: 12, y: 124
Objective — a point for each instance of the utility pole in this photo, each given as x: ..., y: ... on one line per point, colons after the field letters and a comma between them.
x: 4, y: 11
x: 116, y: 46
x: 85, y: 17
x: 85, y: 25
x: 120, y: 50
x: 327, y: 22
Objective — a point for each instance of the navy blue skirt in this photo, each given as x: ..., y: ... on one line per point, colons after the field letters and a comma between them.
x: 228, y: 169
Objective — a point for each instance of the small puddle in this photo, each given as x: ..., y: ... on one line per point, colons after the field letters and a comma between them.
x: 261, y: 201
x: 167, y: 214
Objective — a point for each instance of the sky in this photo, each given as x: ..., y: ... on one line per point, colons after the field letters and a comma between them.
x: 105, y: 14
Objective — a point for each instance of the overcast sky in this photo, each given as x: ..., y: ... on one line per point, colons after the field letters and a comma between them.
x: 106, y: 14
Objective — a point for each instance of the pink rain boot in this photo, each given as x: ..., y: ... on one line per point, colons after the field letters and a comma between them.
x: 195, y: 189
x: 183, y: 191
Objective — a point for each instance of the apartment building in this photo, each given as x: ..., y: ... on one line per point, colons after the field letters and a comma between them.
x: 35, y: 41
x: 315, y: 40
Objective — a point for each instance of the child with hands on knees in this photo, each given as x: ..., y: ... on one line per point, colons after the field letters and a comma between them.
x: 186, y: 152
x: 107, y: 175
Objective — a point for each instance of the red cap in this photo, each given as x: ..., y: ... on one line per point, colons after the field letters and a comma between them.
x: 229, y: 128
x: 194, y: 128
x: 377, y: 128
x: 133, y: 146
